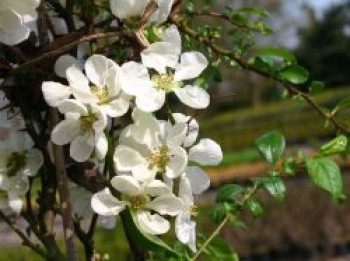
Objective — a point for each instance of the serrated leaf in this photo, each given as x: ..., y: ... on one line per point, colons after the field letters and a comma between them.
x: 271, y: 146
x: 326, y: 174
x: 255, y: 207
x: 143, y: 241
x: 226, y: 192
x: 274, y: 185
x: 294, y: 74
x: 335, y: 146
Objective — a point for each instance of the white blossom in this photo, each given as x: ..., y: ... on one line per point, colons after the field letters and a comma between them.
x: 83, y: 127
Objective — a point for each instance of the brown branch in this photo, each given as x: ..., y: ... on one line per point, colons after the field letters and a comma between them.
x: 66, y: 207
x: 293, y: 89
x: 25, y: 240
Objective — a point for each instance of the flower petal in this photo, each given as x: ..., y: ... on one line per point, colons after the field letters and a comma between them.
x: 34, y: 161
x: 65, y: 131
x: 96, y: 69
x: 126, y: 158
x: 105, y: 204
x: 159, y: 56
x: 101, y: 145
x: 185, y: 230
x: 128, y: 8
x: 72, y: 106
x: 81, y: 147
x: 166, y: 205
x: 12, y: 29
x: 63, y: 63
x: 193, y: 96
x: 126, y: 185
x: 150, y: 99
x: 207, y: 153
x: 172, y: 36
x: 198, y: 179
x: 191, y: 65
x: 156, y: 188
x: 192, y: 128
x: 185, y: 191
x: 15, y: 203
x: 134, y: 78
x: 54, y: 93
x: 163, y: 11
x: 116, y: 108
x: 18, y: 185
x: 177, y: 162
x: 152, y: 224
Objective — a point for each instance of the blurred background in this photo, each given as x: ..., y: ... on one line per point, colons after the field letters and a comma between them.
x: 308, y: 225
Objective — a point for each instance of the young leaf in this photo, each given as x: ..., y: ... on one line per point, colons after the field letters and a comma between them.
x: 226, y: 192
x: 141, y: 240
x: 271, y: 146
x: 275, y: 52
x: 316, y: 87
x: 274, y: 185
x: 294, y: 74
x: 326, y: 174
x: 335, y: 146
x: 256, y: 207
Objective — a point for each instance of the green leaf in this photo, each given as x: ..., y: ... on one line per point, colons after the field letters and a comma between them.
x: 326, y: 174
x: 274, y: 185
x: 335, y: 146
x: 316, y: 87
x: 255, y: 11
x: 218, y: 213
x: 143, y: 241
x: 343, y: 104
x: 275, y: 52
x: 289, y: 166
x: 271, y: 146
x: 256, y: 207
x: 294, y: 74
x: 226, y: 192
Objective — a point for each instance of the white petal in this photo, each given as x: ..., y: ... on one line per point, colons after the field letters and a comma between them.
x: 193, y: 96
x: 185, y: 230
x: 80, y: 85
x: 116, y: 108
x: 81, y: 147
x: 176, y: 134
x: 207, y: 153
x: 163, y: 11
x: 65, y: 131
x: 166, y: 205
x: 156, y: 188
x: 144, y: 173
x: 128, y: 8
x: 134, y: 78
x: 150, y: 99
x: 172, y: 36
x: 18, y: 185
x: 185, y: 191
x: 34, y: 161
x: 105, y: 204
x: 63, y: 63
x: 199, y: 180
x: 192, y: 130
x: 21, y: 7
x: 159, y: 56
x: 126, y: 158
x: 72, y: 106
x: 191, y: 65
x: 126, y: 185
x: 54, y: 93
x: 177, y: 162
x: 96, y: 69
x: 152, y: 224
x: 12, y: 30
x: 101, y: 145
x: 15, y: 203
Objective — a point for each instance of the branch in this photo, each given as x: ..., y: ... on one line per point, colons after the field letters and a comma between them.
x: 25, y: 239
x: 63, y: 190
x: 293, y: 89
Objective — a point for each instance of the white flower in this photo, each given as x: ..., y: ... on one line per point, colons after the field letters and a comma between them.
x: 100, y: 86
x: 172, y: 69
x: 124, y: 9
x: 83, y: 127
x: 13, y: 29
x: 147, y: 147
x: 192, y: 128
x: 18, y: 161
x: 143, y: 197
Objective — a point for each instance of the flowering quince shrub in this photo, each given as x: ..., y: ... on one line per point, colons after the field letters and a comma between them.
x: 90, y: 98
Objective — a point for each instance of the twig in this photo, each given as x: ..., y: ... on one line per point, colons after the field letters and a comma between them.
x: 25, y: 239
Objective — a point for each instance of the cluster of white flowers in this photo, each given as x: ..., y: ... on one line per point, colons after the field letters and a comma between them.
x: 18, y: 160
x: 13, y: 14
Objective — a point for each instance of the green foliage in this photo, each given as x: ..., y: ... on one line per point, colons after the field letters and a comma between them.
x: 227, y: 192
x: 294, y: 74
x: 335, y: 146
x: 274, y: 185
x: 218, y: 249
x: 326, y: 174
x: 316, y: 87
x: 255, y: 207
x: 271, y: 146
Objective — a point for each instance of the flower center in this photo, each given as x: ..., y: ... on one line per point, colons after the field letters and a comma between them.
x: 101, y: 94
x: 159, y: 158
x: 139, y: 201
x: 193, y: 210
x: 164, y: 82
x: 15, y: 162
x: 88, y: 121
